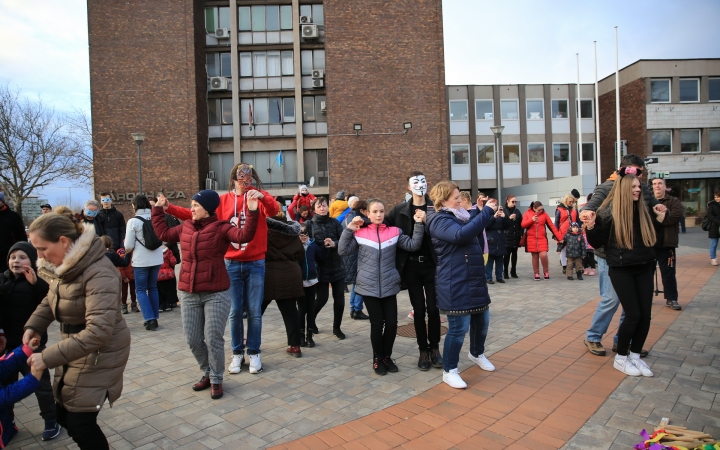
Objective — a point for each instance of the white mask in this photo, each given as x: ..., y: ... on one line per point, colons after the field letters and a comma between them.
x: 418, y: 185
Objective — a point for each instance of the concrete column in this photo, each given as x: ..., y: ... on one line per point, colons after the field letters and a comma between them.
x: 235, y: 77
x: 675, y: 90
x: 472, y: 142
x: 497, y: 120
x: 522, y: 115
x: 572, y: 111
x: 297, y: 70
x: 547, y: 104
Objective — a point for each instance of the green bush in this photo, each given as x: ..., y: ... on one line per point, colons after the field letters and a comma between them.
x: 690, y: 211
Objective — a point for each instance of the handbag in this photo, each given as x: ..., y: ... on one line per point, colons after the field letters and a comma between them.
x: 523, y: 239
x: 706, y: 223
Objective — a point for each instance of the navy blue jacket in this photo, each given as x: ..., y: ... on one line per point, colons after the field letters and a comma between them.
x: 495, y: 232
x: 460, y: 282
x: 9, y: 395
x: 313, y: 252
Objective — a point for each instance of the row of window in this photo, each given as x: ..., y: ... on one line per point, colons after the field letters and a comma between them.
x: 511, y: 153
x: 259, y: 18
x: 265, y: 64
x: 689, y: 141
x: 660, y: 90
x: 535, y: 109
x: 270, y: 111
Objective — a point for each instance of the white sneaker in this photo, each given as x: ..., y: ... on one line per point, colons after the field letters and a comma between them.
x: 236, y: 363
x: 255, y: 364
x: 482, y: 361
x: 453, y: 379
x: 714, y: 262
x: 626, y: 366
x: 639, y: 364
x: 411, y: 314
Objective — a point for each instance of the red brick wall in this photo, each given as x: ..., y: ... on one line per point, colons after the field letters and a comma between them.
x: 632, y: 123
x: 385, y: 66
x: 147, y: 74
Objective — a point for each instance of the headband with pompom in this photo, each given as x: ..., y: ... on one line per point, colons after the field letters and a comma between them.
x: 630, y: 170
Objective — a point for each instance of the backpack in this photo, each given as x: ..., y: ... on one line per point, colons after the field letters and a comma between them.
x: 706, y: 223
x: 152, y: 242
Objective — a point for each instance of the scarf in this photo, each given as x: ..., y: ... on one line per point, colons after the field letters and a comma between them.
x: 461, y: 213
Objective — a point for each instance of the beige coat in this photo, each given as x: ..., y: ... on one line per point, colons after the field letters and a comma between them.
x: 84, y: 289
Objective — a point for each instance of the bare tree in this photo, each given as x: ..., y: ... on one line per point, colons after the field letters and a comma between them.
x: 37, y: 147
x: 80, y: 128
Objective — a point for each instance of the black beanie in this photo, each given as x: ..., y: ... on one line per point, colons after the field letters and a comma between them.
x: 575, y: 193
x: 208, y: 199
x: 27, y: 248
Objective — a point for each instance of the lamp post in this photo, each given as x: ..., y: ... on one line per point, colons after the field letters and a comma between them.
x: 139, y: 138
x: 497, y: 131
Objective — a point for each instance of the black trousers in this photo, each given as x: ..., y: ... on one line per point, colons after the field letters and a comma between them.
x: 589, y: 260
x: 511, y: 255
x: 44, y: 393
x: 383, y: 323
x: 82, y: 428
x: 291, y: 318
x: 420, y: 280
x: 634, y: 288
x: 306, y: 306
x: 323, y: 294
x: 667, y: 272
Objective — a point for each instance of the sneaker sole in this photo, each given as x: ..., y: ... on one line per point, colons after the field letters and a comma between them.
x: 49, y: 438
x: 628, y: 374
x: 595, y: 351
x: 255, y: 371
x: 455, y: 387
x: 234, y: 373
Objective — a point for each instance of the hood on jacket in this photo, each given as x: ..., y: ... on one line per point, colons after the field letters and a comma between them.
x: 75, y: 261
x: 290, y: 228
x: 28, y: 249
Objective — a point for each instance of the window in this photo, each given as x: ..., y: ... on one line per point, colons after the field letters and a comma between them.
x: 536, y: 153
x: 714, y: 88
x: 588, y: 151
x: 220, y: 111
x: 265, y: 68
x: 586, y: 109
x: 560, y: 109
x: 458, y: 110
x: 534, y: 109
x: 216, y: 17
x: 689, y: 141
x: 662, y: 141
x: 690, y: 90
x: 483, y: 109
x: 265, y: 18
x: 511, y: 153
x: 660, y: 91
x: 715, y: 140
x: 308, y: 105
x: 460, y: 154
x: 486, y: 154
x: 314, y: 12
x: 561, y: 152
x: 218, y: 65
x: 508, y: 109
x: 222, y: 164
x: 312, y: 60
x: 272, y: 111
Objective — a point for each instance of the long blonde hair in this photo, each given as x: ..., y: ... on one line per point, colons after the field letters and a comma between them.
x: 620, y: 202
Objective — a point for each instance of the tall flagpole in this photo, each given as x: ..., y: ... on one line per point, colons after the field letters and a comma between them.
x: 579, y: 116
x: 597, y: 121
x: 618, y: 154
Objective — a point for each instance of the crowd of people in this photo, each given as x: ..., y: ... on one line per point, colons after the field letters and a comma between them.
x: 239, y: 251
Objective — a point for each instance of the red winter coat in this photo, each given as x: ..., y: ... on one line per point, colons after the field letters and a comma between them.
x: 564, y: 217
x: 126, y: 272
x: 297, y: 202
x: 536, y: 235
x: 167, y: 270
x: 204, y: 243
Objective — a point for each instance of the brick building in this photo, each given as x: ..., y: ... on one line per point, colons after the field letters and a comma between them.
x: 669, y: 110
x: 277, y: 84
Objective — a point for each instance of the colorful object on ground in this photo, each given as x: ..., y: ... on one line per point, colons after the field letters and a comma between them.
x: 653, y: 442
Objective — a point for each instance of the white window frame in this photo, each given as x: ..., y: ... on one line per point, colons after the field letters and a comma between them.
x: 519, y: 146
x: 580, y: 154
x: 569, y: 149
x: 697, y: 83
x: 710, y: 131
x: 544, y: 152
x: 467, y: 111
x: 671, y: 142
x: 245, y: 119
x: 699, y: 141
x: 542, y: 109
x: 517, y: 108
x: 454, y: 147
x: 567, y: 102
x: 492, y: 108
x: 712, y: 79
x: 477, y: 150
x: 669, y: 81
x: 592, y: 107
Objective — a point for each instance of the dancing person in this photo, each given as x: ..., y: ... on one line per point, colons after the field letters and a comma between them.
x: 627, y: 228
x: 667, y: 242
x: 146, y: 262
x: 378, y: 280
x: 350, y: 262
x: 128, y: 285
x: 713, y: 212
x: 462, y: 292
x: 306, y: 305
x: 496, y: 242
x: 574, y: 247
x: 535, y: 220
x: 303, y: 198
x: 166, y: 284
x: 84, y: 297
x: 111, y: 220
x: 204, y: 281
x: 513, y: 234
x: 565, y: 214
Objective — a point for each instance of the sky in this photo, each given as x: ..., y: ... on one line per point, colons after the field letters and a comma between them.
x: 44, y: 50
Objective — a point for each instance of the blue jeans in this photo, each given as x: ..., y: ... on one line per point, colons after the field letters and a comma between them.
x: 457, y: 328
x: 356, y: 300
x: 713, y: 248
x: 247, y: 285
x: 147, y: 293
x: 607, y: 306
x: 499, y: 265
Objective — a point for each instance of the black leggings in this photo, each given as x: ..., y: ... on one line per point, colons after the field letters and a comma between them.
x: 511, y: 255
x: 634, y: 288
x: 589, y: 260
x: 82, y: 428
x: 323, y: 294
x: 383, y: 324
x: 420, y: 279
x: 306, y: 306
x: 288, y: 309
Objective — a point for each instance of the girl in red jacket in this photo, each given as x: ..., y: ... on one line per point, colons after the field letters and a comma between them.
x: 535, y: 220
x: 166, y: 284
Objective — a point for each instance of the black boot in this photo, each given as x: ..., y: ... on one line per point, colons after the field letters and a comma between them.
x: 424, y: 361
x: 303, y: 342
x: 309, y: 340
x: 580, y: 274
x: 134, y: 308
x: 505, y: 276
x: 564, y: 269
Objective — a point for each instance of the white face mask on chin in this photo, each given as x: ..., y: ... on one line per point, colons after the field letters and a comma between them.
x: 418, y: 185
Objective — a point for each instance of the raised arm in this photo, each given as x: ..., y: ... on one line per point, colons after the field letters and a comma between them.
x: 347, y: 245
x: 160, y: 226
x: 453, y: 232
x: 247, y: 232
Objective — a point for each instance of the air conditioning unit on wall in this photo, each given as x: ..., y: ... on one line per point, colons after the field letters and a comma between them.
x: 318, y: 73
x: 222, y: 33
x: 218, y: 84
x: 323, y: 107
x: 309, y: 31
x: 318, y: 83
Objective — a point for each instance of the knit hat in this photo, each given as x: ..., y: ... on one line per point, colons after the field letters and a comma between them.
x: 574, y: 224
x: 340, y: 195
x: 208, y: 199
x: 575, y: 193
x: 27, y: 248
x: 304, y: 187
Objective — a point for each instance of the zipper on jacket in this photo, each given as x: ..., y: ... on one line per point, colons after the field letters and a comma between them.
x: 467, y: 266
x: 97, y: 357
x: 377, y: 229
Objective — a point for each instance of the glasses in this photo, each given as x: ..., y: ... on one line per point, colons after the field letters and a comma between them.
x: 511, y: 201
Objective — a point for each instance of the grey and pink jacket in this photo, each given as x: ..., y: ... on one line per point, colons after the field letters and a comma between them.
x: 376, y: 246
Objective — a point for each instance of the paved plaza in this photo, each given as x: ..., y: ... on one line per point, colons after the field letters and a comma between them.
x: 548, y: 392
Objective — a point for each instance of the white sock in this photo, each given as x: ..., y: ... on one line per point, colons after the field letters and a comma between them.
x: 620, y: 358
x: 634, y: 355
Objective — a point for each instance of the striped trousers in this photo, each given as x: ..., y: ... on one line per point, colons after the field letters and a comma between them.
x: 204, y: 317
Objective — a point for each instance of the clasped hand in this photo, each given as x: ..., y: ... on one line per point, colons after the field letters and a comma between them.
x: 37, y: 365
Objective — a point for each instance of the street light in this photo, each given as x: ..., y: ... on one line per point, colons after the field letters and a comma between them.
x: 139, y: 138
x: 497, y: 131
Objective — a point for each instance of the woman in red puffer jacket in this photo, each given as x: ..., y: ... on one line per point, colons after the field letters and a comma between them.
x: 535, y: 220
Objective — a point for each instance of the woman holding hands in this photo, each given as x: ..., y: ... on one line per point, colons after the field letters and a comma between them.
x: 535, y: 220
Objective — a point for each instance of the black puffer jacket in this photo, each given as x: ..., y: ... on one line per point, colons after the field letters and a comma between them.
x: 514, y: 231
x: 331, y: 268
x: 401, y: 216
x: 495, y: 232
x: 602, y: 235
x: 713, y: 211
x: 285, y: 253
x: 113, y: 222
